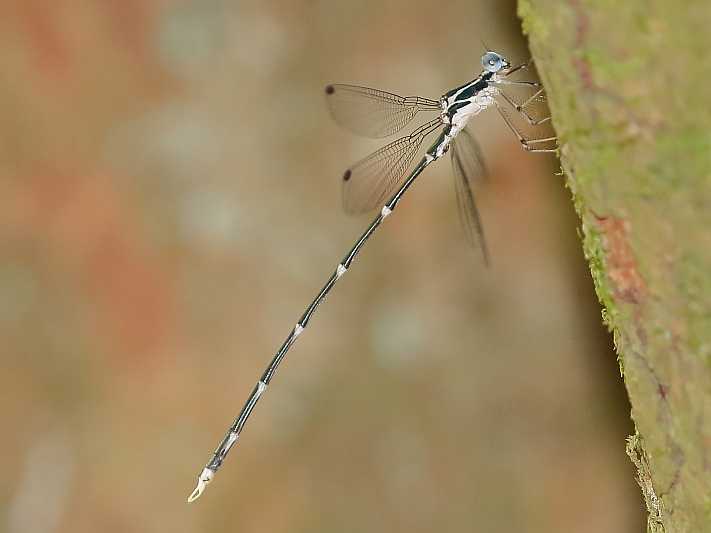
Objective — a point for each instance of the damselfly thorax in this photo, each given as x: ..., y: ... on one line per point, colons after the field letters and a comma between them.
x: 461, y: 104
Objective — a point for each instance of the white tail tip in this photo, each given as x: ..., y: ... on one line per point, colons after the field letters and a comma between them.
x: 203, y: 479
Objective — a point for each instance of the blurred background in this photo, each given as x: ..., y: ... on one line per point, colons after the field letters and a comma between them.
x: 169, y: 205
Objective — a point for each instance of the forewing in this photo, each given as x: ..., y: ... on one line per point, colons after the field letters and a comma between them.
x: 468, y: 165
x: 367, y: 183
x: 372, y: 112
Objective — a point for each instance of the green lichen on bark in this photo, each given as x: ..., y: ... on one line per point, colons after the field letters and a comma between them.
x: 627, y: 87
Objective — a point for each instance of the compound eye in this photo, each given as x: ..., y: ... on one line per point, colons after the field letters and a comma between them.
x: 492, y: 61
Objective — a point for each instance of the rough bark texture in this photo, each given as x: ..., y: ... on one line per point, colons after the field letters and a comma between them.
x: 628, y: 86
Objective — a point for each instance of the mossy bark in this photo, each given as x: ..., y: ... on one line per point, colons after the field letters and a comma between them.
x: 629, y: 87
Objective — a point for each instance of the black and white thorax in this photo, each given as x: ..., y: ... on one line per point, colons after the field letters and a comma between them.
x: 461, y: 104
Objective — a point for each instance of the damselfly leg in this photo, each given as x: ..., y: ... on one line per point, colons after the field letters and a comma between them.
x: 521, y: 108
x: 525, y: 107
x: 529, y: 144
x: 522, y: 66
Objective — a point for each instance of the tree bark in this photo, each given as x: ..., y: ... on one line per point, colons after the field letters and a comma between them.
x: 629, y: 87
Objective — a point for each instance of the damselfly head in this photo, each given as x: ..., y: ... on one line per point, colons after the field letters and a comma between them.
x: 493, y: 62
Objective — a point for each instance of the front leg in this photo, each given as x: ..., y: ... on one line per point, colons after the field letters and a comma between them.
x: 522, y: 66
x: 517, y: 82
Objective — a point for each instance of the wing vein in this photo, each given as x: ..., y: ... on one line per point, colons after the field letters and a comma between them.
x: 369, y: 181
x: 468, y: 165
x: 372, y: 112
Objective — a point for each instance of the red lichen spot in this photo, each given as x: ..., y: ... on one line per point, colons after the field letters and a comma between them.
x: 662, y: 390
x: 582, y: 67
x: 582, y: 29
x: 620, y: 261
x: 582, y: 23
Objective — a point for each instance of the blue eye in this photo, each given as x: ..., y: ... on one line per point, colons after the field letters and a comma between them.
x: 492, y: 62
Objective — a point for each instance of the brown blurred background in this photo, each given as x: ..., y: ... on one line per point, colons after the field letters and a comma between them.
x: 170, y: 203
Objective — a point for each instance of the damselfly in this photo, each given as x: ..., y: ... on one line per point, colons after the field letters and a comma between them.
x: 367, y: 184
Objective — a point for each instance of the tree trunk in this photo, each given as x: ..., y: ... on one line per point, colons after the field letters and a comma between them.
x: 628, y: 85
